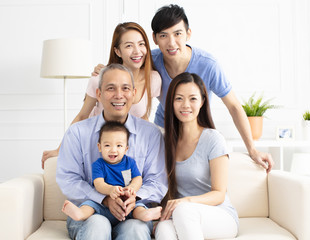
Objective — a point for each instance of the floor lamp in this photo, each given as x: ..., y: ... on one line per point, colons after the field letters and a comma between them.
x: 66, y: 58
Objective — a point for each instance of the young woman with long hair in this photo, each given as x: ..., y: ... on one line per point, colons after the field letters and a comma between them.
x: 196, y: 205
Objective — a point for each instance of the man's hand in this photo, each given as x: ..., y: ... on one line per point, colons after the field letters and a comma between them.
x: 263, y: 159
x: 130, y: 203
x: 117, y: 207
x: 97, y: 70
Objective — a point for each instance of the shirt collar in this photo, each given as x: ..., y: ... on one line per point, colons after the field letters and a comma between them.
x: 130, y: 123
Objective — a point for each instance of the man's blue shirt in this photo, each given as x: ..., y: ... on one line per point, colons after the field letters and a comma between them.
x: 79, y: 150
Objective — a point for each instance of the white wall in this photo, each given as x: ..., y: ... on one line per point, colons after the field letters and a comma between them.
x: 262, y: 45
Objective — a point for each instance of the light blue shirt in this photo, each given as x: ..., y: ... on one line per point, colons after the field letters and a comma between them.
x: 193, y: 174
x: 79, y: 150
x: 201, y: 63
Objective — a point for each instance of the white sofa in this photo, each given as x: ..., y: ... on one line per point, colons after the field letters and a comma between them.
x: 273, y: 207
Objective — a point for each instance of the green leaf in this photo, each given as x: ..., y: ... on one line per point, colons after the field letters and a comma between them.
x: 306, y: 115
x: 257, y: 107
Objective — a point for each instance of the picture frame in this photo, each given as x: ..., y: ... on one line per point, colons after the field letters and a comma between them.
x: 285, y: 133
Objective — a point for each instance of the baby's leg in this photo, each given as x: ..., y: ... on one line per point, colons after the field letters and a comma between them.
x: 76, y: 213
x: 146, y: 215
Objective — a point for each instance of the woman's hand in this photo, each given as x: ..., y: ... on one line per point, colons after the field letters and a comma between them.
x: 48, y: 154
x: 171, y: 205
x: 97, y: 70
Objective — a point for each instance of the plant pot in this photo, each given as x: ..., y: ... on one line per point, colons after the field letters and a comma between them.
x: 256, y: 124
x: 306, y: 129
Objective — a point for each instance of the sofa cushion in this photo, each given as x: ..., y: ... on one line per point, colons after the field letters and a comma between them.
x: 53, y: 197
x: 247, y: 186
x: 250, y: 229
x: 261, y: 228
x: 51, y: 230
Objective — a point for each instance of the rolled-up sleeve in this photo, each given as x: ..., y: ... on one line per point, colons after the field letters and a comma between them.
x: 72, y: 175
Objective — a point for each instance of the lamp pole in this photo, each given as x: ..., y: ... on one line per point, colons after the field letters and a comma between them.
x: 65, y: 103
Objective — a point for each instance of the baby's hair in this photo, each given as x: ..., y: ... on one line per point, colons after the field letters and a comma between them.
x: 113, y: 126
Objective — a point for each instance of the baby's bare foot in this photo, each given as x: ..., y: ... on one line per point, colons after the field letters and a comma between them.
x: 72, y: 211
x: 149, y: 214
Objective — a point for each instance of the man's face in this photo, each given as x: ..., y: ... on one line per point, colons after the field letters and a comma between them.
x: 116, y: 95
x: 172, y: 41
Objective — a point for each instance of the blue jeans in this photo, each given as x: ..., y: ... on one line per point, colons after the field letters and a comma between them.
x: 104, y: 211
x: 104, y: 226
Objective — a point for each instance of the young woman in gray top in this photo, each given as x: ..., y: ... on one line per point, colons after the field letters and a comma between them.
x: 196, y: 205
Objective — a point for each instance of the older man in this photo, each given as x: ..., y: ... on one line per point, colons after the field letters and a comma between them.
x: 79, y: 150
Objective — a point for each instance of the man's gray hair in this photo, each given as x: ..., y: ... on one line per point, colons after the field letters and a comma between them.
x: 112, y: 67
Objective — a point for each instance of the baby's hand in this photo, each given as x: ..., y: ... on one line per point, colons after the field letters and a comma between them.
x: 116, y: 191
x: 130, y: 190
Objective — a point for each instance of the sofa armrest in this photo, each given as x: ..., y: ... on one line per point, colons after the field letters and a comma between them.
x: 21, y: 206
x: 289, y: 198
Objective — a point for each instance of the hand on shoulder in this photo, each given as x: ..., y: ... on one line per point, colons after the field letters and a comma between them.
x: 48, y: 154
x: 97, y: 69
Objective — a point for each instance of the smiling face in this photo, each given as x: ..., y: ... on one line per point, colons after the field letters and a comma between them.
x: 116, y: 94
x: 187, y: 102
x: 132, y: 49
x: 172, y: 41
x: 113, y: 146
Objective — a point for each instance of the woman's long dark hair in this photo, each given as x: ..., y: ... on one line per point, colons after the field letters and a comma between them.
x: 172, y: 125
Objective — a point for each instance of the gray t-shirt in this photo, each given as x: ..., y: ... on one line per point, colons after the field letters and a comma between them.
x: 193, y: 174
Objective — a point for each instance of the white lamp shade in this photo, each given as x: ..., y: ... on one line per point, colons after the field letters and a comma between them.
x: 70, y: 58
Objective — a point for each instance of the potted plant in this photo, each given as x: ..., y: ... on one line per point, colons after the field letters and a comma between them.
x: 306, y: 124
x: 255, y: 110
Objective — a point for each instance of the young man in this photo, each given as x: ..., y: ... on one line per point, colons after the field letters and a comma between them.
x: 171, y: 32
x: 79, y: 150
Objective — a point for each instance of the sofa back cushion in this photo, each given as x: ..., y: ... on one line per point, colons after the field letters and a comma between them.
x: 247, y: 186
x: 53, y: 197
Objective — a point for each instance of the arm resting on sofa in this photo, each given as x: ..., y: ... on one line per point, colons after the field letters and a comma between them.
x: 21, y: 206
x: 289, y: 198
